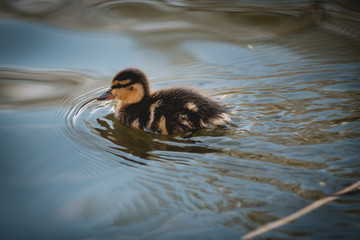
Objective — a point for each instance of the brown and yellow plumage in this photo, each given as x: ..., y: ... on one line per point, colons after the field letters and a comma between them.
x: 166, y: 111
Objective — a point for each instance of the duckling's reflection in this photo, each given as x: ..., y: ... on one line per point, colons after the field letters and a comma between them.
x: 141, y: 144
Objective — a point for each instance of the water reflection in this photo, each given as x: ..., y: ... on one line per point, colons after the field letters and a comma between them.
x: 87, y: 123
x: 288, y: 74
x: 21, y: 88
x: 140, y: 142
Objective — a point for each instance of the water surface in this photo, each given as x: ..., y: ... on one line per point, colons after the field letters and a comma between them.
x: 289, y: 74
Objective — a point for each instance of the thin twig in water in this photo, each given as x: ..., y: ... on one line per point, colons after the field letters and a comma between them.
x: 298, y: 214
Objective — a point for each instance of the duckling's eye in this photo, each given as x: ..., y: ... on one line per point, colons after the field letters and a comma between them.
x: 131, y: 88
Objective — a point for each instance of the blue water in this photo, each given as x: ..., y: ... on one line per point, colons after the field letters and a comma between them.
x: 289, y: 73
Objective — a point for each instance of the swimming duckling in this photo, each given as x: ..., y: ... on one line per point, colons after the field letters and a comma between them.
x: 167, y: 111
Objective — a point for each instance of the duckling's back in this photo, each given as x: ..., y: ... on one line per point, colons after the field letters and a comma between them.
x: 180, y: 110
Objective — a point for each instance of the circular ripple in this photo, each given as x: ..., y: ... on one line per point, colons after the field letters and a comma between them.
x: 146, y: 190
x: 92, y: 124
x: 84, y: 120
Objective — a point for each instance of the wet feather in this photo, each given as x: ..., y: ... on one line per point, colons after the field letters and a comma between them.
x: 166, y: 111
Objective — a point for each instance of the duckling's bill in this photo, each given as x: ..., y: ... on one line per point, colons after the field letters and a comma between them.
x: 106, y: 95
x: 166, y: 111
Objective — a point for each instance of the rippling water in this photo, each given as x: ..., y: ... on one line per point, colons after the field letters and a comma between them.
x: 289, y: 73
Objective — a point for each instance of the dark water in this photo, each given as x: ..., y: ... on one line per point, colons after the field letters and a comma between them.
x: 288, y: 71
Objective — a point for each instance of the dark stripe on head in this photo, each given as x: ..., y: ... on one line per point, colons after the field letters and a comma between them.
x: 131, y: 76
x: 121, y: 85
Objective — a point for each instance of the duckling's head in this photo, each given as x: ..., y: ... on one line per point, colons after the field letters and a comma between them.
x: 129, y: 86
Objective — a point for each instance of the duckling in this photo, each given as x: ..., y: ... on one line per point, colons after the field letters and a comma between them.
x: 166, y: 111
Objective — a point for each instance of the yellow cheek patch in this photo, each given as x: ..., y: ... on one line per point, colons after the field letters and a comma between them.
x: 129, y: 95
